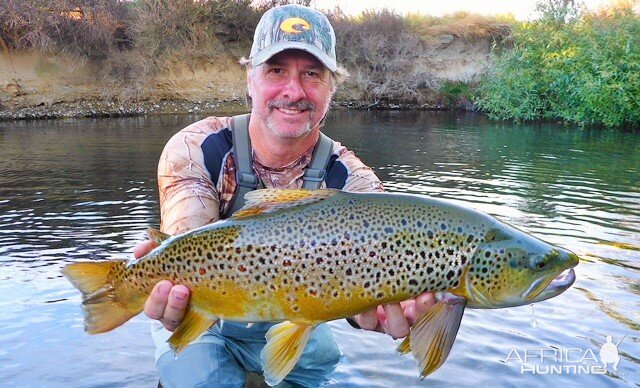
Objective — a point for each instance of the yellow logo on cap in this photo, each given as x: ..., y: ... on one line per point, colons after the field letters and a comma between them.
x: 295, y: 25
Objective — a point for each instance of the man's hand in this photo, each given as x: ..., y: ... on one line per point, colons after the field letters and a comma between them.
x: 166, y: 303
x: 395, y: 319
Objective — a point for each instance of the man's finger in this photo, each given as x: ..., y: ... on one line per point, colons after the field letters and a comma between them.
x: 176, y: 307
x: 396, y: 324
x: 418, y: 306
x: 367, y: 320
x: 157, y: 301
x: 142, y: 248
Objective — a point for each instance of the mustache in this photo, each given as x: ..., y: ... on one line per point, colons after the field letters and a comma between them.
x: 286, y: 104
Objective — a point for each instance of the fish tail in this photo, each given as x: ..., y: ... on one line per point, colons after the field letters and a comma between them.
x: 107, y: 304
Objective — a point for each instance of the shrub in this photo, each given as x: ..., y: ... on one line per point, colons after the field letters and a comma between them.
x: 583, y: 69
x: 87, y: 28
x: 379, y: 51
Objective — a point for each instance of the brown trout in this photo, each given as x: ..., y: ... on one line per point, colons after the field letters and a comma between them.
x: 303, y: 257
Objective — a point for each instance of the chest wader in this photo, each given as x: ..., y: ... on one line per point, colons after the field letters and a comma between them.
x: 246, y: 180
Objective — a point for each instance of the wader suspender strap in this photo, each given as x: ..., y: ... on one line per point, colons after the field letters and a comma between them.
x: 317, y: 170
x: 245, y: 178
x: 248, y: 181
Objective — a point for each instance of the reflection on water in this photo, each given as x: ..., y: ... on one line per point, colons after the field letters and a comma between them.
x: 79, y: 189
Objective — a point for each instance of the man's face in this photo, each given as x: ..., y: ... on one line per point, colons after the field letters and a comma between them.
x: 290, y: 93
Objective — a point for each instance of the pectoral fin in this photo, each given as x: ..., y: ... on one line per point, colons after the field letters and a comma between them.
x: 285, y: 343
x: 193, y: 324
x: 431, y: 337
x: 157, y: 236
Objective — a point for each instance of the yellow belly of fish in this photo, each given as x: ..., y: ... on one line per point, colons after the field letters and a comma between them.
x: 231, y: 302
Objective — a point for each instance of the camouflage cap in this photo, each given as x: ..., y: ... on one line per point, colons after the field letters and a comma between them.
x: 294, y: 27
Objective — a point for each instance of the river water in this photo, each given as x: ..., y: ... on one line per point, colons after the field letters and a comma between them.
x: 86, y: 189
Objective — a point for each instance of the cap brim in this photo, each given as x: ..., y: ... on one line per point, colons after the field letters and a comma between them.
x: 276, y: 48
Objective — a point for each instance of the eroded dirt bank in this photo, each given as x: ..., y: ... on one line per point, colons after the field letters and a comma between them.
x: 36, y: 85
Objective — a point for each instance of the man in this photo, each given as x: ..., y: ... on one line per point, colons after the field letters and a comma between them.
x: 291, y: 77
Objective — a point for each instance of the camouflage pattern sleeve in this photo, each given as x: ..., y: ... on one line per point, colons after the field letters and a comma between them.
x: 188, y: 197
x: 361, y: 177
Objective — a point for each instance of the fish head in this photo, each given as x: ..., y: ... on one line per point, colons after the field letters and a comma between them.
x: 512, y: 268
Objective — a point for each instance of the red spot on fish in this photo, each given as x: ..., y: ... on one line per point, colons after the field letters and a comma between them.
x: 242, y: 268
x: 287, y: 263
x: 203, y: 271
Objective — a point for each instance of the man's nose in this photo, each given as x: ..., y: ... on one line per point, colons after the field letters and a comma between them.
x: 294, y: 90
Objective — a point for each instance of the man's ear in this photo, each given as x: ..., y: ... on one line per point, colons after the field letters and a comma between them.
x: 249, y: 82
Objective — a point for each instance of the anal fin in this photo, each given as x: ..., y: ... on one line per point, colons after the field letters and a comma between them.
x: 432, y: 336
x: 193, y: 324
x: 285, y: 343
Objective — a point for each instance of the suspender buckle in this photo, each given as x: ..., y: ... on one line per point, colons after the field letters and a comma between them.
x: 247, y: 180
x: 315, y: 175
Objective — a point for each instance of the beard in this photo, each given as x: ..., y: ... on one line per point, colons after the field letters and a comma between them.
x: 303, y: 105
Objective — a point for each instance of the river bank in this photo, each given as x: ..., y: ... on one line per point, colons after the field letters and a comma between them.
x: 37, y: 85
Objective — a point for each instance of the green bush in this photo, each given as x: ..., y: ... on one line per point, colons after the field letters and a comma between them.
x: 582, y: 70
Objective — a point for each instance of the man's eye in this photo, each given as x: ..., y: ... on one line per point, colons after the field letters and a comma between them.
x: 312, y: 74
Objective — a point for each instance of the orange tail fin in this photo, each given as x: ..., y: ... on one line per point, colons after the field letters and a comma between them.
x: 104, y: 307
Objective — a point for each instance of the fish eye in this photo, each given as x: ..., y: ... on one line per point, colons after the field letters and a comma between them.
x: 540, y: 265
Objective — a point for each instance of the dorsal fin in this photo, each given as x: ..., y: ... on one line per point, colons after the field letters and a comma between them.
x: 157, y: 236
x: 265, y: 201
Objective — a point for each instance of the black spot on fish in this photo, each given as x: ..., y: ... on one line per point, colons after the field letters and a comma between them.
x: 443, y: 226
x: 349, y: 272
x: 383, y: 245
x: 450, y: 275
x: 429, y: 270
x: 413, y: 282
x: 388, y: 230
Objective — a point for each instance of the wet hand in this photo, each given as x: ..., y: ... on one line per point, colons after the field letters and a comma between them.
x: 166, y: 303
x: 395, y: 319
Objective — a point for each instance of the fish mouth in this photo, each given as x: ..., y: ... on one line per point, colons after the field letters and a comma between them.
x: 556, y: 287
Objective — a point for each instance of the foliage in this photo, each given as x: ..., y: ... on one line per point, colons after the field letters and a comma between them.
x: 381, y: 50
x: 87, y: 28
x: 455, y: 93
x: 583, y: 69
